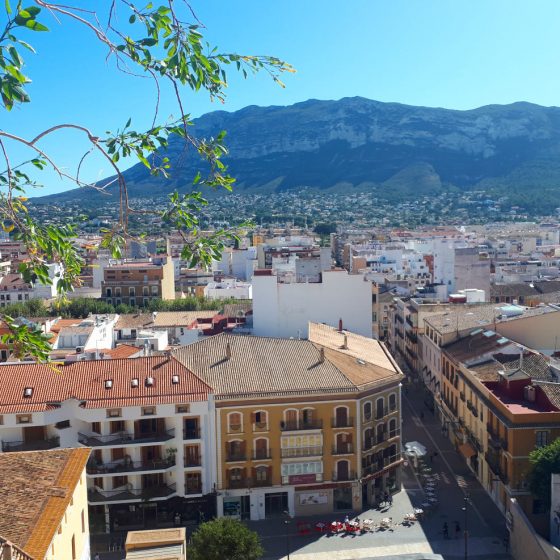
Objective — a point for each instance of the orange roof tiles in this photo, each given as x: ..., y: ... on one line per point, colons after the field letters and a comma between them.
x: 85, y: 381
x: 30, y: 509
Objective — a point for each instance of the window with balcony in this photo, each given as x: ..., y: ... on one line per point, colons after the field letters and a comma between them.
x: 368, y: 438
x: 155, y: 290
x: 192, y: 456
x: 119, y: 481
x: 342, y: 471
x: 235, y: 451
x: 145, y: 291
x: 343, y: 444
x: 131, y: 292
x: 393, y: 428
x: 367, y: 411
x: 235, y: 423
x: 379, y: 408
x: 193, y: 483
x: 380, y: 433
x: 261, y: 451
x: 262, y: 476
x: 236, y: 478
x: 392, y: 402
x: 291, y: 417
x: 260, y: 421
x: 341, y: 417
x: 191, y: 428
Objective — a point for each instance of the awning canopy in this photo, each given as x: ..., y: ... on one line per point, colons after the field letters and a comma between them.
x: 467, y: 450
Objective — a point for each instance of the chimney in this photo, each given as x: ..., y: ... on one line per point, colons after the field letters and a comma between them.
x: 340, y: 325
x: 521, y: 360
x: 321, y: 355
x: 345, y: 343
x: 228, y: 351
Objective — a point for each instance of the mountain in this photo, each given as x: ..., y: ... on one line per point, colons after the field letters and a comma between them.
x: 357, y: 142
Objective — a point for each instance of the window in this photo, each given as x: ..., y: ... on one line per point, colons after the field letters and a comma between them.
x: 61, y: 425
x: 119, y: 481
x: 131, y: 292
x: 392, y: 402
x: 83, y: 522
x: 154, y: 290
x: 182, y: 409
x: 315, y: 467
x: 114, y: 412
x: 260, y: 420
x: 261, y: 474
x: 145, y: 291
x: 117, y: 292
x: 367, y: 411
x: 235, y: 423
x: 23, y: 418
x: 73, y: 547
x: 109, y: 292
x: 235, y: 474
x: 148, y: 410
x: 379, y: 408
x: 542, y: 438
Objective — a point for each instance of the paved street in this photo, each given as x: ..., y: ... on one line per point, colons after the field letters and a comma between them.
x: 423, y: 540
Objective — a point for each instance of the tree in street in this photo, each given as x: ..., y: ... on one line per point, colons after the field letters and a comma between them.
x: 224, y: 539
x: 544, y: 462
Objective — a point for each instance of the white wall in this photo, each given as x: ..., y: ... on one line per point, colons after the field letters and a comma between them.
x: 284, y: 310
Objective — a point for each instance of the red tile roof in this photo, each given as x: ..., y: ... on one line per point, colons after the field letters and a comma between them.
x: 85, y: 381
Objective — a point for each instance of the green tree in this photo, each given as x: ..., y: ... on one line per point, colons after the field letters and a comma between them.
x: 224, y: 539
x: 544, y: 461
x: 324, y: 228
x: 164, y: 43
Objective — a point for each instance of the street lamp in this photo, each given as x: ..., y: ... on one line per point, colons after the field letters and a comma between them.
x: 466, y: 531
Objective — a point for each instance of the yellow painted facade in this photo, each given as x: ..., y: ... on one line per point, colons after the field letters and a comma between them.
x: 71, y: 541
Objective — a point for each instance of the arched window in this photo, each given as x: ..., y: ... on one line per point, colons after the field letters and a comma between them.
x: 260, y: 421
x: 392, y: 453
x: 262, y: 476
x: 308, y: 418
x: 392, y: 402
x: 236, y: 478
x: 342, y: 470
x: 368, y: 438
x: 235, y: 450
x: 235, y: 422
x: 379, y: 408
x: 343, y: 444
x: 290, y: 421
x: 341, y: 417
x: 367, y: 411
x: 393, y: 431
x: 380, y: 432
x: 261, y: 449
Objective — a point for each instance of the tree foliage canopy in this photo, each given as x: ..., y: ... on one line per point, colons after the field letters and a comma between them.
x: 544, y: 461
x: 164, y: 43
x: 224, y: 539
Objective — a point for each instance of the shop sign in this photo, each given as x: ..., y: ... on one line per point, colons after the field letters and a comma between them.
x: 302, y: 478
x: 313, y: 498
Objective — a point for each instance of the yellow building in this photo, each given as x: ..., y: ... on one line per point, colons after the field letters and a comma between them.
x: 43, y: 505
x: 303, y: 426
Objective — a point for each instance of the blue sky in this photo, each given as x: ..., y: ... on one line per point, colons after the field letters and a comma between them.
x: 457, y: 54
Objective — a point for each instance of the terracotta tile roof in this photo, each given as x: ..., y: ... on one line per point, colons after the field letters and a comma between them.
x: 236, y: 365
x: 232, y: 309
x: 551, y: 390
x: 85, y: 381
x: 36, y: 488
x: 512, y: 289
x: 162, y: 319
x: 122, y: 351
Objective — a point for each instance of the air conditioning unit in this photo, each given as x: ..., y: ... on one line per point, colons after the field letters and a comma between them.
x: 79, y: 349
x: 529, y: 393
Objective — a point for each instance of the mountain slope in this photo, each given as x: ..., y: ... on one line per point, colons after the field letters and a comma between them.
x: 361, y: 142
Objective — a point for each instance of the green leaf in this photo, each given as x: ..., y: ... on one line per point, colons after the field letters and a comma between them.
x: 35, y: 25
x: 8, y: 7
x: 132, y: 19
x: 32, y: 10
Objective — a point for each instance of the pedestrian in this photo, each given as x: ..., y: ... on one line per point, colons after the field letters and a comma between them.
x: 457, y: 529
x: 386, y: 497
x: 97, y: 557
x: 390, y: 499
x: 346, y: 519
x: 445, y: 530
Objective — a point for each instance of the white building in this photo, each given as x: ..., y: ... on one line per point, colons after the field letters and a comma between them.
x: 285, y: 309
x: 149, y: 422
x: 228, y: 288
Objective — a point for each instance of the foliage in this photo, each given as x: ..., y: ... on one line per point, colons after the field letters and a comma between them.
x: 224, y: 539
x: 162, y: 42
x: 325, y: 229
x: 544, y: 461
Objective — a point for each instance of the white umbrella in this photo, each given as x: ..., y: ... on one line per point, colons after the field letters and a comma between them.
x: 415, y: 448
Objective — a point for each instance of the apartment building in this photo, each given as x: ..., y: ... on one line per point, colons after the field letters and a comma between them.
x: 305, y: 426
x: 138, y: 282
x: 285, y: 309
x: 501, y: 401
x: 43, y: 505
x: 147, y: 420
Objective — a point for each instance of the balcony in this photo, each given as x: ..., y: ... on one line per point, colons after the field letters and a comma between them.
x: 260, y: 427
x: 296, y: 426
x: 235, y: 484
x: 193, y: 487
x: 262, y: 455
x: 293, y: 452
x: 129, y: 467
x: 343, y: 449
x: 342, y: 477
x: 261, y: 482
x: 39, y: 445
x: 191, y: 433
x: 124, y: 438
x: 394, y: 434
x: 504, y: 444
x: 381, y: 464
x: 124, y: 494
x: 379, y: 414
x: 342, y: 422
x: 236, y: 457
x: 462, y: 396
x: 192, y: 461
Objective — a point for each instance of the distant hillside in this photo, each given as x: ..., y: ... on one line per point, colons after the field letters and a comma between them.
x: 399, y: 149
